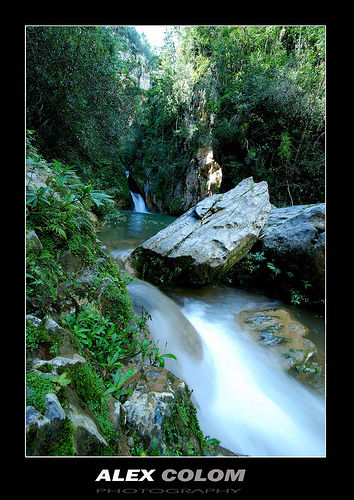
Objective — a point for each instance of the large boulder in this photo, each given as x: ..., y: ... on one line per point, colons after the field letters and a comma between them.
x: 204, y: 243
x: 288, y: 260
x: 293, y: 233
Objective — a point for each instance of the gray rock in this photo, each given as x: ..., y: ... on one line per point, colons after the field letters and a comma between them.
x: 148, y: 407
x: 318, y: 253
x: 33, y: 243
x: 54, y: 409
x: 212, y: 236
x: 87, y: 438
x: 293, y: 231
x: 33, y: 320
x: 59, y: 361
x: 34, y: 417
x: 71, y: 263
x: 52, y: 326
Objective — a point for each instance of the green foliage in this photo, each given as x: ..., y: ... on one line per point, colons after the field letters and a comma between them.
x: 38, y: 386
x: 118, y: 379
x: 91, y: 388
x: 112, y: 343
x: 80, y: 97
x: 182, y: 433
x: 40, y: 337
x: 254, y: 93
x: 60, y: 381
x: 63, y: 445
x: 297, y: 298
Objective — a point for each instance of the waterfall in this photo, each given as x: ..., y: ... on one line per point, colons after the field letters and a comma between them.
x: 138, y: 200
x: 139, y: 203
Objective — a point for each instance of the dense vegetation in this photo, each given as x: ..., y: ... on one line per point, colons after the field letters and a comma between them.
x: 254, y: 94
x: 81, y: 97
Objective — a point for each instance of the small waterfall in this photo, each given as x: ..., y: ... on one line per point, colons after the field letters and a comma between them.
x: 138, y: 200
x: 139, y: 203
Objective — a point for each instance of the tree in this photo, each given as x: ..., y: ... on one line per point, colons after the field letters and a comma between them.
x: 80, y: 95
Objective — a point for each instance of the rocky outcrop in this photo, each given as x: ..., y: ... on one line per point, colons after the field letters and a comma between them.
x: 159, y: 412
x: 156, y: 417
x: 68, y: 412
x: 288, y: 260
x: 202, y: 177
x: 205, y: 242
x: 295, y: 233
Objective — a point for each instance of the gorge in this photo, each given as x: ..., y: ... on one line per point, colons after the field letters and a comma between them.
x: 175, y: 242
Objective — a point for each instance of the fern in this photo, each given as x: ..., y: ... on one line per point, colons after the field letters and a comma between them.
x: 59, y: 230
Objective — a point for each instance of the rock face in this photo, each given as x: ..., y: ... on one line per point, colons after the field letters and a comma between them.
x: 159, y: 412
x: 288, y: 260
x: 202, y: 177
x: 205, y: 242
x: 295, y: 232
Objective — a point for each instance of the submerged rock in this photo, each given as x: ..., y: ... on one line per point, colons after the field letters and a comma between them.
x: 205, y: 242
x: 276, y: 327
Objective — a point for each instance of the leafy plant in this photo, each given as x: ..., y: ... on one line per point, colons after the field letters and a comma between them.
x: 60, y: 381
x: 118, y: 379
x: 111, y: 343
x: 297, y: 298
x: 275, y: 270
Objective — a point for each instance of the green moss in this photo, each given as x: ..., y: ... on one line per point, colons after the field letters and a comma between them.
x: 41, y: 443
x: 38, y: 386
x: 40, y: 338
x: 63, y: 444
x: 90, y: 388
x: 119, y: 303
x: 182, y: 433
x: 46, y: 368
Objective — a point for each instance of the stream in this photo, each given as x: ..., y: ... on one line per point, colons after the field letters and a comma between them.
x: 243, y: 396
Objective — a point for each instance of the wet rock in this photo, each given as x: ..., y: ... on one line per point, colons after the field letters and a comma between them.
x: 33, y: 243
x: 87, y: 438
x: 33, y: 320
x: 183, y: 335
x: 277, y: 328
x: 54, y: 409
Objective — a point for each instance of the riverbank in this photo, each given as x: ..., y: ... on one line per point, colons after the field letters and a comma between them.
x: 106, y: 377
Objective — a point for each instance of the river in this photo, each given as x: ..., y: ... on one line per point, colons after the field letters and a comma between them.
x: 243, y: 396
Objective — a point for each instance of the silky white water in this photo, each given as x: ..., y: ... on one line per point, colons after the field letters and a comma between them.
x: 139, y: 203
x: 138, y: 200
x: 241, y: 392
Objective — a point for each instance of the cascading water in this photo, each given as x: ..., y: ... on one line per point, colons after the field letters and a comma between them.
x: 139, y: 203
x: 242, y: 395
x: 138, y: 200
